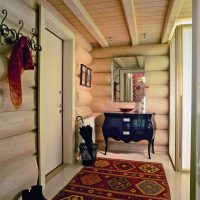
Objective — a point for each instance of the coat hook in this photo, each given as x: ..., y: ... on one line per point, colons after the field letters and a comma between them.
x: 18, y: 33
x: 34, y: 45
x: 31, y: 41
x: 4, y: 31
x: 13, y: 33
x: 34, y: 33
x: 5, y: 13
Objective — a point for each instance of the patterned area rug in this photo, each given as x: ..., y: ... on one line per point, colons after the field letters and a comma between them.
x: 117, y: 179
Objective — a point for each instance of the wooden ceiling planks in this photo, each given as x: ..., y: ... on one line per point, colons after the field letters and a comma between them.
x: 91, y: 2
x: 71, y: 18
x: 150, y: 15
x: 109, y: 17
x: 186, y: 10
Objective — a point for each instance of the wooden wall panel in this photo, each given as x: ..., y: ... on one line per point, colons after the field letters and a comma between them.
x: 157, y: 77
x: 101, y: 90
x: 101, y: 65
x: 99, y: 104
x: 155, y: 63
x: 14, y: 123
x: 84, y: 111
x: 28, y: 99
x: 162, y: 122
x: 105, y: 104
x: 83, y: 98
x: 80, y: 41
x: 17, y: 147
x: 157, y: 91
x: 17, y: 176
x: 157, y: 105
x: 82, y: 56
x: 18, y: 166
x: 101, y: 78
x: 157, y: 95
x: 162, y: 137
x: 3, y: 67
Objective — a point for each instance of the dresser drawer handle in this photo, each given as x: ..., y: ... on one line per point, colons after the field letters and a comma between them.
x: 126, y: 132
x: 126, y: 119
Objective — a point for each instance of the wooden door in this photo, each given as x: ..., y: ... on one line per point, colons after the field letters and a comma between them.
x: 53, y: 105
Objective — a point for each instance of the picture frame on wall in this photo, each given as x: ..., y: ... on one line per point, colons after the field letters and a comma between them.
x: 85, y: 76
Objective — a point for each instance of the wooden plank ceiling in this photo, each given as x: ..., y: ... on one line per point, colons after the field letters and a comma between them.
x: 110, y: 18
x: 186, y: 10
x: 150, y: 16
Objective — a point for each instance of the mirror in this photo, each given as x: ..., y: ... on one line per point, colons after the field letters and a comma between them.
x: 128, y: 79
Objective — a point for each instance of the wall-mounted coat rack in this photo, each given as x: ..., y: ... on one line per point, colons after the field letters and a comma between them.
x: 10, y: 36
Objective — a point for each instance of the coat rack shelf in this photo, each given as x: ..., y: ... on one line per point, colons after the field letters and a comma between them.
x: 11, y: 36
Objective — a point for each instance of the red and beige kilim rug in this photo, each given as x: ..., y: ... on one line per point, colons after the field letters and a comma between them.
x: 117, y: 179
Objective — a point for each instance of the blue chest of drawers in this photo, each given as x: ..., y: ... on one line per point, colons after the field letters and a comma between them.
x: 129, y: 127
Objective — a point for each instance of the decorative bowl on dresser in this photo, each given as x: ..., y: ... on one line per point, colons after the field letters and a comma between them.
x: 126, y: 109
x: 129, y: 127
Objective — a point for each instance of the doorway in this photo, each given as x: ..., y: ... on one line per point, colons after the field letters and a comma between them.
x: 180, y: 98
x: 53, y: 107
x: 67, y: 123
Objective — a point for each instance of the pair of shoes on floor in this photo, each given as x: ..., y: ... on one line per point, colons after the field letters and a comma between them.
x: 34, y: 194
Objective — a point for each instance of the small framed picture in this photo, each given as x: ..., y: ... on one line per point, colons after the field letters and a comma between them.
x: 85, y: 76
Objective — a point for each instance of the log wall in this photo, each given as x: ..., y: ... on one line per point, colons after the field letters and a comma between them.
x: 157, y: 95
x: 18, y: 128
x: 84, y: 97
x: 83, y: 93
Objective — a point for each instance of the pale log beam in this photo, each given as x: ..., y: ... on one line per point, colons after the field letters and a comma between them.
x: 120, y: 62
x: 129, y: 10
x: 139, y: 50
x: 172, y: 14
x: 81, y: 13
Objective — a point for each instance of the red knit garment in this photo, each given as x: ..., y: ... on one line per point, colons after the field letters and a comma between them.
x: 20, y: 60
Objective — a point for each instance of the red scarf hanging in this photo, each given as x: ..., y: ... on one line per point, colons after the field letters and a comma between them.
x: 20, y: 60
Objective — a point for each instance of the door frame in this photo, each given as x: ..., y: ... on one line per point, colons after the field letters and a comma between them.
x: 172, y: 114
x: 195, y: 139
x: 49, y: 21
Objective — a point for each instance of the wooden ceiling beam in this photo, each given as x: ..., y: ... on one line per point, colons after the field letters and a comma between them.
x: 126, y: 51
x: 129, y: 11
x: 81, y: 13
x: 120, y: 62
x: 172, y: 14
